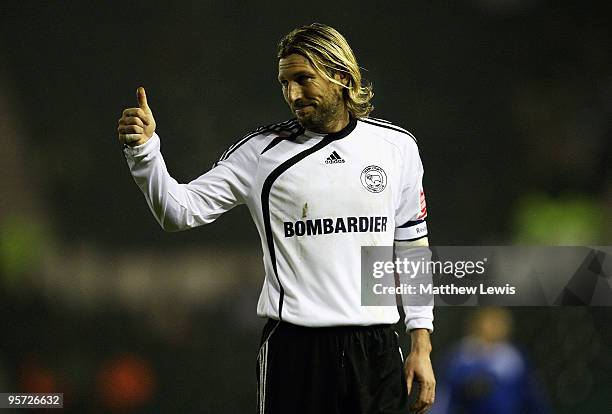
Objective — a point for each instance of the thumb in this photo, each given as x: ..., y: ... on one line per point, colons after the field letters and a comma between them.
x: 409, y: 380
x: 142, y: 99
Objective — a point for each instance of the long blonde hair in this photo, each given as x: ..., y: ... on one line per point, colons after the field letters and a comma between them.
x: 329, y: 52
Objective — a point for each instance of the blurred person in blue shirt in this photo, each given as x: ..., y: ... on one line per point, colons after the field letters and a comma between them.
x: 486, y: 374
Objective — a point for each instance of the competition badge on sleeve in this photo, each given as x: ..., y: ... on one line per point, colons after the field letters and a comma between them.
x: 422, y: 205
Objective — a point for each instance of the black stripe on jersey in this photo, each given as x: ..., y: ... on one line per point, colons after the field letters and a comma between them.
x: 334, y: 156
x: 387, y: 123
x: 244, y: 139
x: 411, y: 240
x: 241, y: 141
x: 283, y: 126
x: 267, y: 187
x: 388, y: 126
x: 288, y: 125
x: 410, y: 224
x: 278, y: 140
x: 384, y: 121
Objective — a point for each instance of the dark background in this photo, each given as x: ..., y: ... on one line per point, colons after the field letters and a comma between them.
x: 510, y: 101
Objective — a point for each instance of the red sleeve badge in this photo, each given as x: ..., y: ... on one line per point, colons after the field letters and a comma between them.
x: 422, y: 206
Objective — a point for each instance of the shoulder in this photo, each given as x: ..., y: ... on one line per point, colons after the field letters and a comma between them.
x: 390, y: 132
x: 253, y: 143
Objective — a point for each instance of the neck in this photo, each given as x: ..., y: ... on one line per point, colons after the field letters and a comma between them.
x: 337, y: 124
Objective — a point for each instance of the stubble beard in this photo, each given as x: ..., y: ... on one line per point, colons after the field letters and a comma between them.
x: 325, y: 115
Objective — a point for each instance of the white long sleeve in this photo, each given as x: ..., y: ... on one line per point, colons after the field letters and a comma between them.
x: 183, y: 206
x: 419, y: 313
x: 411, y: 238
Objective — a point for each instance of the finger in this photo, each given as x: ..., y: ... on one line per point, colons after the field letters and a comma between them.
x: 427, y: 395
x: 423, y: 410
x: 142, y: 98
x: 131, y: 120
x: 134, y: 112
x: 129, y: 138
x: 426, y: 405
x: 137, y: 112
x: 417, y: 407
x: 130, y: 129
x: 424, y: 399
x: 423, y: 391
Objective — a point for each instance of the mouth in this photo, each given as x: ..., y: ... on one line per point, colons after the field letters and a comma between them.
x: 302, y: 109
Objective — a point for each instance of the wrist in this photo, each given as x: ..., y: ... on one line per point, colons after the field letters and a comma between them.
x: 420, y: 342
x: 143, y: 150
x: 138, y: 143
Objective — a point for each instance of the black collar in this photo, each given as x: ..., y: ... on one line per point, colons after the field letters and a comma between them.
x: 344, y: 131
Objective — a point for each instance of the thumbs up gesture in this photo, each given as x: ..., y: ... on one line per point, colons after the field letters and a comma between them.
x: 137, y: 125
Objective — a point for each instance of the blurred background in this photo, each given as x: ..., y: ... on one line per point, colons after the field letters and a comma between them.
x: 511, y: 102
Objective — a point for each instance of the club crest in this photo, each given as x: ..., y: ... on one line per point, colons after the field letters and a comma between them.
x: 374, y: 179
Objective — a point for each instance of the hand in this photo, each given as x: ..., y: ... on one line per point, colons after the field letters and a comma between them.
x: 418, y: 369
x: 137, y: 125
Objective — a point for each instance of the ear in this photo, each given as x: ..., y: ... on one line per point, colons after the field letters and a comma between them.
x: 342, y: 77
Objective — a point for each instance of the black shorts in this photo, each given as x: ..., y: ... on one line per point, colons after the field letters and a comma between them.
x: 335, y: 370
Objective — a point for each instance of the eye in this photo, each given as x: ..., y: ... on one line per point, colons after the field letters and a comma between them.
x: 304, y: 79
x: 283, y: 83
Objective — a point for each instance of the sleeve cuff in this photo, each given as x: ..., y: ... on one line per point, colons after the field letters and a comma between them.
x: 419, y: 323
x: 143, y: 150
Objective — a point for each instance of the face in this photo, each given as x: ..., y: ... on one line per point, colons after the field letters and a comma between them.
x: 316, y: 102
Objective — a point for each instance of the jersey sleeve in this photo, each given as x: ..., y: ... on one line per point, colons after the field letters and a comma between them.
x: 411, y: 238
x: 411, y: 212
x: 183, y: 206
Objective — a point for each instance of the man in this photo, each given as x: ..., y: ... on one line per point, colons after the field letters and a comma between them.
x: 318, y: 187
x: 485, y: 373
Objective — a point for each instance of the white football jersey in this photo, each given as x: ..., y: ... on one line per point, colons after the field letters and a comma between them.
x: 315, y: 199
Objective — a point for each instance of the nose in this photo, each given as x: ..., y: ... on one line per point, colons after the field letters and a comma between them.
x: 294, y: 92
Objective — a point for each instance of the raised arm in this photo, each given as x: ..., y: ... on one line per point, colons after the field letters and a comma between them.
x: 178, y: 206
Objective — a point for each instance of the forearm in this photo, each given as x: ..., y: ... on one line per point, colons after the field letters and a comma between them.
x: 175, y: 206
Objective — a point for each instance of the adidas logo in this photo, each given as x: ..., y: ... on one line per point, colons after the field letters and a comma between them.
x: 334, y: 158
